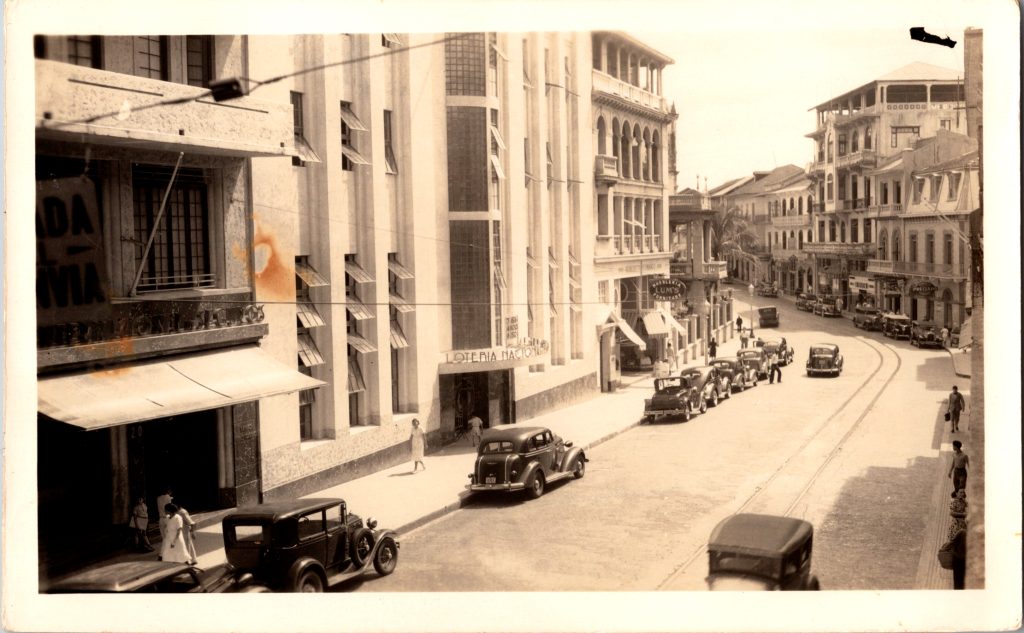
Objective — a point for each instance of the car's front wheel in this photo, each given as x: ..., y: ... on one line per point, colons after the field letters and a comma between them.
x: 387, y: 556
x: 714, y: 397
x: 535, y: 487
x: 310, y: 582
x: 579, y: 467
x: 687, y: 413
x: 362, y: 545
x: 703, y: 405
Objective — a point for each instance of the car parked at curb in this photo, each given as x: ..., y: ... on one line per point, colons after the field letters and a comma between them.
x: 826, y: 306
x: 153, y: 576
x: 761, y: 552
x: 755, y: 358
x: 824, y: 358
x: 511, y: 458
x: 306, y: 545
x: 768, y: 316
x: 780, y: 347
x: 896, y: 326
x: 805, y: 301
x: 741, y: 375
x: 925, y: 334
x: 867, y: 318
x: 673, y: 395
x: 712, y: 385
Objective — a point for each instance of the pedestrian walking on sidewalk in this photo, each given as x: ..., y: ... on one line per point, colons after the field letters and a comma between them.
x: 954, y: 405
x: 188, y: 533
x: 958, y: 467
x: 958, y: 513
x: 739, y: 324
x: 172, y: 548
x: 712, y: 349
x: 743, y: 339
x: 773, y: 367
x: 139, y: 525
x: 671, y: 353
x: 959, y: 548
x: 416, y: 439
x: 161, y: 503
x: 476, y: 430
x: 945, y: 337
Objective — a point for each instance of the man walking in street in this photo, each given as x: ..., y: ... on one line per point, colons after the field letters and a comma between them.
x: 773, y: 367
x: 712, y: 349
x: 743, y: 339
x: 958, y: 467
x: 954, y: 405
x: 739, y: 324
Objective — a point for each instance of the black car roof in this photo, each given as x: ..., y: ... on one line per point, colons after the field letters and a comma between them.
x: 510, y: 432
x: 277, y: 510
x: 759, y: 534
x: 119, y: 577
x: 702, y: 371
x: 725, y: 359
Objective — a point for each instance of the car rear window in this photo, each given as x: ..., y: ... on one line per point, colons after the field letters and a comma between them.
x: 248, y: 534
x: 491, y: 448
x: 744, y: 564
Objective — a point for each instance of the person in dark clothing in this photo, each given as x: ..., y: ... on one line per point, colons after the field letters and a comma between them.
x: 959, y: 558
x: 955, y: 404
x: 712, y: 349
x: 958, y: 467
x: 773, y: 367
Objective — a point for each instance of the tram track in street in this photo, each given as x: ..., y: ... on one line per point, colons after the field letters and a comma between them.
x: 878, y: 347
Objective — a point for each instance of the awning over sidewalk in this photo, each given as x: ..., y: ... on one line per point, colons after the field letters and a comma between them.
x: 671, y: 321
x: 628, y: 331
x: 169, y: 386
x: 655, y: 324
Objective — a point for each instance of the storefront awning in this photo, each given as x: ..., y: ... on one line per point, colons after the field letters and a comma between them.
x: 170, y: 386
x: 654, y: 324
x: 628, y: 331
x: 671, y: 321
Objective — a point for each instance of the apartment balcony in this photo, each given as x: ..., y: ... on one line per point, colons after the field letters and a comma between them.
x: 626, y: 245
x: 850, y: 204
x: 604, y: 84
x: 839, y: 249
x: 819, y: 207
x: 606, y: 169
x: 690, y: 269
x: 816, y: 169
x: 917, y: 269
x: 68, y: 96
x: 865, y: 158
x: 791, y: 221
x: 843, y: 120
x: 884, y: 210
x: 787, y: 253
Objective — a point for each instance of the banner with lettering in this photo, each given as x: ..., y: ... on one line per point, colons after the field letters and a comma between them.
x: 71, y: 271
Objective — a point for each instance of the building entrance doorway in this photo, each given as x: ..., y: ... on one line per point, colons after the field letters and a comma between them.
x: 180, y: 452
x: 485, y: 394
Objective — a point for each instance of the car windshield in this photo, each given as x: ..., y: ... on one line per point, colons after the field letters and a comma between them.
x: 821, y: 351
x: 744, y: 564
x: 491, y: 448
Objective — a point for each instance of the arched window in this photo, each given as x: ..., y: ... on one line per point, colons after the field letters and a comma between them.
x: 800, y: 206
x: 842, y: 231
x: 828, y: 148
x: 645, y: 155
x: 883, y: 242
x: 784, y: 241
x: 896, y: 246
x: 810, y: 204
x: 810, y: 235
x: 656, y: 157
x: 602, y: 142
x: 828, y: 187
x: 855, y: 142
x: 791, y: 206
x: 867, y: 138
x: 635, y: 158
x: 624, y: 153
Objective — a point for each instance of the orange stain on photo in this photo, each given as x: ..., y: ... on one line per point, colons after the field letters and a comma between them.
x: 275, y: 279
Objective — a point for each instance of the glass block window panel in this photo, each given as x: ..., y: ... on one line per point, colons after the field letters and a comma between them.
x: 468, y: 166
x: 465, y: 64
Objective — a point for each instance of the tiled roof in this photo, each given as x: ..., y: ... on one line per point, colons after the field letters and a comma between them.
x: 775, y: 177
x: 918, y: 71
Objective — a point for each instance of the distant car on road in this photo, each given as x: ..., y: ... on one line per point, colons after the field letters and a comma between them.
x: 712, y: 386
x: 756, y: 358
x: 766, y: 290
x: 512, y: 457
x: 867, y: 318
x: 824, y: 358
x: 306, y: 544
x: 780, y: 347
x: 826, y: 306
x: 896, y: 325
x: 925, y: 334
x: 674, y: 395
x: 741, y: 375
x: 768, y: 316
x: 805, y: 301
x: 761, y: 552
x: 152, y: 576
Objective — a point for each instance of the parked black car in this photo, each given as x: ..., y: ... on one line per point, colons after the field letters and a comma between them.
x: 741, y: 375
x: 780, y: 347
x: 826, y: 306
x: 306, y: 544
x: 805, y: 301
x: 712, y: 386
x: 925, y: 334
x: 673, y: 395
x: 152, y: 576
x: 761, y: 551
x: 756, y: 358
x: 867, y: 318
x: 896, y: 325
x: 768, y: 316
x: 513, y: 457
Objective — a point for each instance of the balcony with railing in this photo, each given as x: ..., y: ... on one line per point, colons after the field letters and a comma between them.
x: 604, y: 83
x: 916, y: 269
x: 786, y: 253
x: 863, y: 158
x: 888, y: 209
x: 625, y: 245
x: 853, y: 204
x: 791, y: 221
x: 840, y: 248
x: 692, y: 269
x: 606, y: 169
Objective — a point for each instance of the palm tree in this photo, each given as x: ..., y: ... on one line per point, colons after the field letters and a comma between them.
x: 731, y: 235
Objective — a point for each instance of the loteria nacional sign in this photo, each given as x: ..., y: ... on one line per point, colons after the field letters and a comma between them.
x: 667, y: 289
x: 526, y: 351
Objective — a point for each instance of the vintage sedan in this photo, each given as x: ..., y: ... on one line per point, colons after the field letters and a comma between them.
x: 867, y: 318
x: 761, y: 552
x: 712, y: 386
x: 780, y: 347
x: 306, y: 545
x: 925, y: 334
x: 805, y: 301
x: 824, y: 358
x: 896, y: 325
x: 826, y: 306
x: 673, y: 395
x: 765, y: 289
x: 756, y: 358
x: 768, y: 316
x: 153, y: 576
x: 741, y: 375
x: 511, y: 457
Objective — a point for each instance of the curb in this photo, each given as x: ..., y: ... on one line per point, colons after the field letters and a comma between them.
x: 463, y: 498
x: 952, y: 359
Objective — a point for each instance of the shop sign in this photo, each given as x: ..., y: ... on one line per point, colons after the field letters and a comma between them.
x: 666, y: 289
x: 521, y: 350
x: 923, y: 289
x: 512, y: 328
x: 861, y: 283
x: 71, y: 279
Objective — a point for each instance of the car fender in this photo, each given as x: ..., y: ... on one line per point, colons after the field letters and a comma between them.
x: 378, y: 538
x: 300, y: 566
x: 529, y: 471
x: 570, y: 457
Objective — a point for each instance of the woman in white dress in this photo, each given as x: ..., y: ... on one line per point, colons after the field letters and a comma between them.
x: 172, y: 549
x: 417, y: 445
x: 189, y: 533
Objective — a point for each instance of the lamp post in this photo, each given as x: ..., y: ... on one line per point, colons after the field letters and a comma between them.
x: 750, y: 291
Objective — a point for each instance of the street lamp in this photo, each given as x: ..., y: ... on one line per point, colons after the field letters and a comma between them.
x: 750, y: 291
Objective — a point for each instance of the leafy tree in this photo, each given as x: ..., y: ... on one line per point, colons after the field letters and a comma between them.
x: 731, y: 234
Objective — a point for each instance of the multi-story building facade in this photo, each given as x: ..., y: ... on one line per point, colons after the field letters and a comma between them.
x: 921, y: 265
x: 635, y: 172
x: 855, y: 132
x: 284, y: 281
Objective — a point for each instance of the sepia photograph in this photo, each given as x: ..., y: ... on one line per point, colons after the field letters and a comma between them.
x: 483, y: 324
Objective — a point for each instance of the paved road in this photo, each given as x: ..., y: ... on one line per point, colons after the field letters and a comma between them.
x: 858, y: 456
